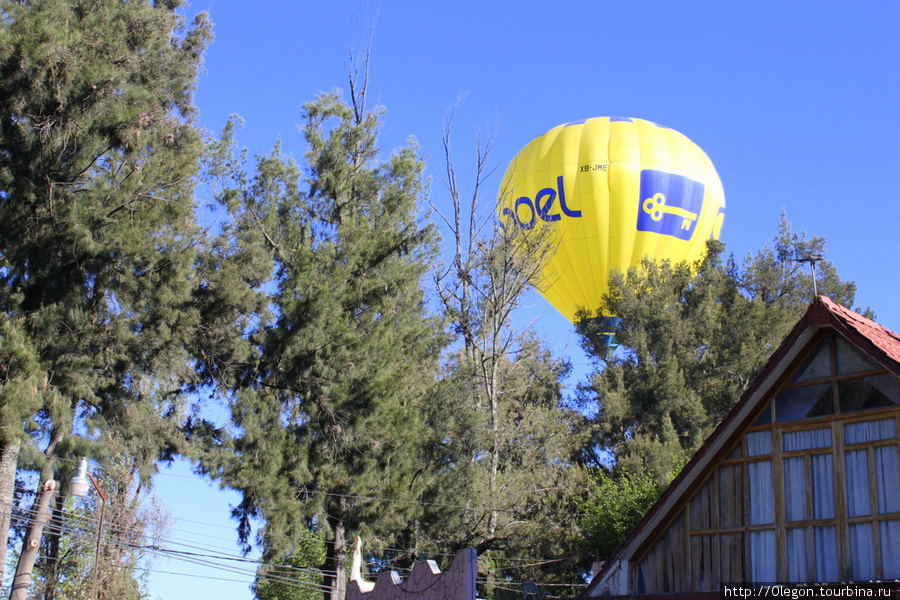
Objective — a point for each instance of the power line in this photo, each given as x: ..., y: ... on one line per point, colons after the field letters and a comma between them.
x: 199, y: 558
x: 87, y: 522
x: 206, y: 552
x: 207, y: 557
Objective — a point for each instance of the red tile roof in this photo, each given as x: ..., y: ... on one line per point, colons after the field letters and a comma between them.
x: 856, y: 327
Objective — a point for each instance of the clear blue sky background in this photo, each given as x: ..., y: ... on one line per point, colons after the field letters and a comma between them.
x: 796, y: 103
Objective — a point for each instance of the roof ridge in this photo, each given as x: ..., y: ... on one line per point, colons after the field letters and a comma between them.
x: 886, y: 340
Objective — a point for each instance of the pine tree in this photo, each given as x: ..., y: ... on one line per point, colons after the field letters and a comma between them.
x: 327, y: 420
x: 98, y: 151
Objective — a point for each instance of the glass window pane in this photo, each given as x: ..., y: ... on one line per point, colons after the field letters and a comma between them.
x: 807, y: 439
x: 825, y: 542
x: 762, y: 493
x: 822, y: 471
x: 864, y: 393
x: 870, y: 431
x: 890, y: 549
x: 765, y: 418
x: 886, y: 384
x: 762, y: 556
x: 850, y: 360
x: 759, y: 443
x: 862, y: 552
x: 817, y: 366
x: 887, y: 479
x: 795, y: 489
x: 859, y: 498
x: 805, y: 402
x: 797, y: 566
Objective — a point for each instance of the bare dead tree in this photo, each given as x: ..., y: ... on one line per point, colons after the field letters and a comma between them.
x: 491, y: 269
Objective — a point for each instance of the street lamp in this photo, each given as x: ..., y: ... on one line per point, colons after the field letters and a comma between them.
x: 79, y: 487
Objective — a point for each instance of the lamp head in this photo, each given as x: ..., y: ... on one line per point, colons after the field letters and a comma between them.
x: 79, y: 484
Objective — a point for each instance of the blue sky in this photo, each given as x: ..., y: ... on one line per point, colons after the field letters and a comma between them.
x: 794, y: 102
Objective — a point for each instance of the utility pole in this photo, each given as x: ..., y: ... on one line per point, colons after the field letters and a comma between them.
x: 79, y: 487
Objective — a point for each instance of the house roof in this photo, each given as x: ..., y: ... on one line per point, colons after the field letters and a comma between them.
x: 877, y: 342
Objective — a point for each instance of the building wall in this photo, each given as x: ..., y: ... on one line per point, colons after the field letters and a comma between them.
x: 425, y: 582
x: 808, y: 493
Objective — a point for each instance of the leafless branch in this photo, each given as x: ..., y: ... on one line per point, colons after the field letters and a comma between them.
x: 359, y: 76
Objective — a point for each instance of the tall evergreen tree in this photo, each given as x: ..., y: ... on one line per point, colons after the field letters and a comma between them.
x: 326, y: 422
x: 692, y: 344
x: 98, y: 151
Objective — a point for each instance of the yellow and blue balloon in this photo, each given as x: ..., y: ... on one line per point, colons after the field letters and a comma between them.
x: 612, y: 191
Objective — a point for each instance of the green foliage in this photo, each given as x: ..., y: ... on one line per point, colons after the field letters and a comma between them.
x: 23, y: 379
x: 692, y: 344
x: 65, y: 568
x: 504, y: 480
x: 97, y: 231
x: 295, y: 577
x: 99, y: 245
x: 613, y: 507
x: 327, y: 417
x: 502, y: 444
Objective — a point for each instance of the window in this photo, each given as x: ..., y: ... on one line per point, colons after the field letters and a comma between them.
x: 836, y: 379
x: 809, y: 494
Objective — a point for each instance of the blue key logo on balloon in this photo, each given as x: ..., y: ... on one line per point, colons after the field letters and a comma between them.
x: 670, y: 204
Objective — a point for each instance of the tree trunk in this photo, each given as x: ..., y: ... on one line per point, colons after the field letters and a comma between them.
x: 51, y: 564
x: 32, y: 543
x: 336, y: 562
x: 9, y: 459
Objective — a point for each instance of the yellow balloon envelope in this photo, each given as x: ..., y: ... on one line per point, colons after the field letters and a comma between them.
x: 612, y: 191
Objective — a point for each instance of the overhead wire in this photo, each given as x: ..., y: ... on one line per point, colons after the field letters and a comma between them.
x: 87, y: 522
x: 208, y: 559
x: 208, y: 556
x: 279, y: 573
x: 369, y: 498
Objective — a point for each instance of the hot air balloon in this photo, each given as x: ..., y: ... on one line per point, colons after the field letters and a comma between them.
x: 611, y: 191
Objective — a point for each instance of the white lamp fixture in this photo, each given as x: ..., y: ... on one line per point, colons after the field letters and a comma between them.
x: 80, y: 483
x: 79, y: 487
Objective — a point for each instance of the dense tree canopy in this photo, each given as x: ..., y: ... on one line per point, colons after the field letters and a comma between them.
x: 611, y: 509
x: 296, y: 576
x: 98, y: 153
x: 327, y: 421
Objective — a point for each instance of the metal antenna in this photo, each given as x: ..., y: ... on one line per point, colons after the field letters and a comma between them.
x: 812, y: 259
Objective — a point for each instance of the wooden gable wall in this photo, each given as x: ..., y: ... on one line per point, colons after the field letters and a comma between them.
x: 809, y: 492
